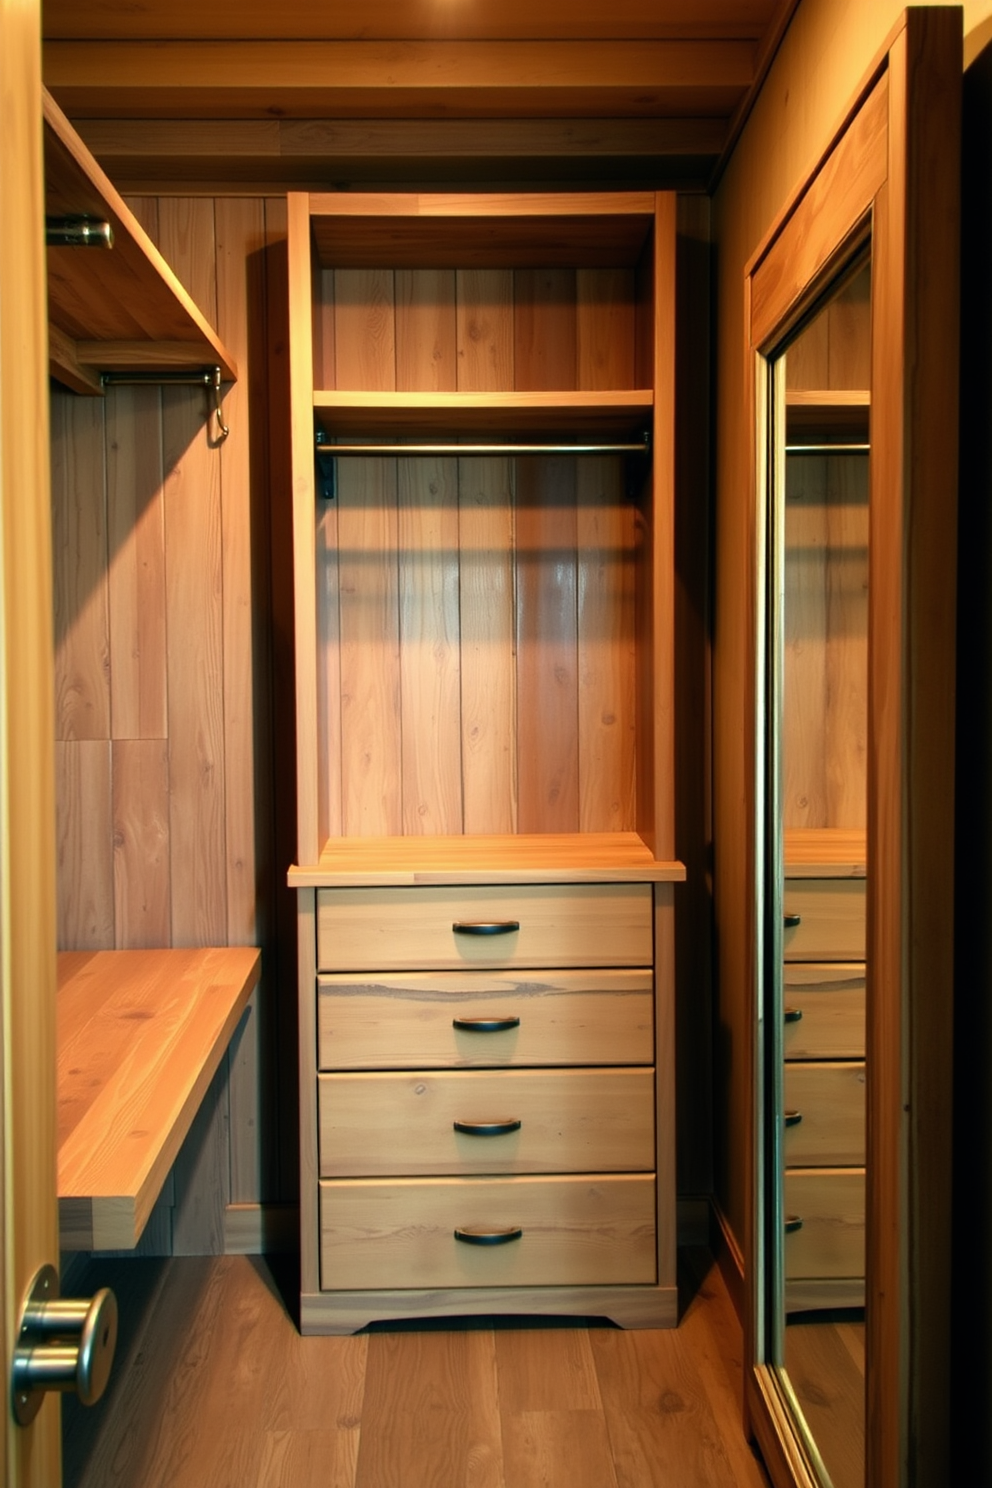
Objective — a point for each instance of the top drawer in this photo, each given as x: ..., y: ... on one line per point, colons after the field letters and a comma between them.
x: 373, y: 929
x: 829, y: 919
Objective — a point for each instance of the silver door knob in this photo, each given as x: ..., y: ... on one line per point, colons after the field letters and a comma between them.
x: 63, y: 1343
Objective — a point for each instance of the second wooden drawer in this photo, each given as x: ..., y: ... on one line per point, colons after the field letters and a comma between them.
x: 829, y: 1100
x: 570, y: 1121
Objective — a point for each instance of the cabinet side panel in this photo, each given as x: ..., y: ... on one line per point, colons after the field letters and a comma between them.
x: 429, y: 645
x: 370, y: 665
x: 488, y: 672
x: 547, y: 663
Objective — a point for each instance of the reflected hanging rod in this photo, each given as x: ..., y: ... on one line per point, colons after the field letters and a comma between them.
x: 376, y: 447
x: 78, y: 232
x: 828, y: 449
x: 209, y: 377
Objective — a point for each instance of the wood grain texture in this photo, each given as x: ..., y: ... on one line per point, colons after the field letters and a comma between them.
x: 565, y: 1018
x: 79, y: 538
x: 544, y: 329
x: 484, y: 330
x: 364, y: 329
x: 429, y: 650
x: 84, y: 828
x: 136, y: 533
x: 425, y: 329
x: 141, y: 857
x: 831, y: 1001
x: 140, y: 1036
x: 829, y: 1097
x: 487, y: 634
x: 831, y: 919
x: 604, y: 332
x: 370, y: 662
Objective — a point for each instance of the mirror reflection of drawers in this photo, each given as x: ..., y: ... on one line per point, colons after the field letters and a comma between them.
x: 824, y: 1089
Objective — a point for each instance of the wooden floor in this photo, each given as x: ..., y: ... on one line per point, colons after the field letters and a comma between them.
x: 825, y: 1359
x: 214, y: 1388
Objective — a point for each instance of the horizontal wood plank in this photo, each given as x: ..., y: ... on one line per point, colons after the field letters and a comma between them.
x: 140, y: 1036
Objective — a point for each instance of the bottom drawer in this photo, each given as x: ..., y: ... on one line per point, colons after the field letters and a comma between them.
x: 830, y: 1202
x: 574, y: 1231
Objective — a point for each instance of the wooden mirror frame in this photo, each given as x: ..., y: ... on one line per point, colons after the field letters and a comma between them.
x: 894, y: 165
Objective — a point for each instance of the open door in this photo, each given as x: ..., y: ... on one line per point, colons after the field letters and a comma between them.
x: 31, y: 1454
x: 882, y: 210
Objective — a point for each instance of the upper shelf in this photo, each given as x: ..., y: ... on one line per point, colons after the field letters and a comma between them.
x: 120, y: 310
x: 624, y: 413
x: 827, y: 415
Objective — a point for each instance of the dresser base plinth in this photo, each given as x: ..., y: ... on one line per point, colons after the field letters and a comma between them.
x: 627, y: 1306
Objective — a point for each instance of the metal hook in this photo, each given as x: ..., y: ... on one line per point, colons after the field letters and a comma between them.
x: 222, y: 429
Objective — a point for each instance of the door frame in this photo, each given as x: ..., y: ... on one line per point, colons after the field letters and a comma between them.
x: 895, y: 162
x: 31, y: 1455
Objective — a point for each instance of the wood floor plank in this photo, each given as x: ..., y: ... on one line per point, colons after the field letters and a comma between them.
x: 292, y: 1458
x: 557, y: 1449
x: 831, y: 1392
x: 546, y: 1370
x: 430, y: 1418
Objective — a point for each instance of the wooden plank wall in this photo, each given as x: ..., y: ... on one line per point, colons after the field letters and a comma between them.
x: 162, y: 732
x: 477, y: 665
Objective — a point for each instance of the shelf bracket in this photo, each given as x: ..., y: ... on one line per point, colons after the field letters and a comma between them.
x: 209, y: 377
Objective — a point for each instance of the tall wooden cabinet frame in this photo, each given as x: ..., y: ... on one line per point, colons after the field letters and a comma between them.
x: 484, y: 716
x: 892, y: 171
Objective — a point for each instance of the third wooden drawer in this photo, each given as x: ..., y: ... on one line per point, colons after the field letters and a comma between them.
x: 828, y: 1099
x: 830, y: 1202
x: 597, y: 1120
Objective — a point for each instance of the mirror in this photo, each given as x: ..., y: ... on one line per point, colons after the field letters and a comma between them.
x: 813, y: 994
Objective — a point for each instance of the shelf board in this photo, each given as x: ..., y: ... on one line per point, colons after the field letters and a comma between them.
x: 825, y: 852
x: 827, y: 414
x: 121, y: 309
x: 625, y: 413
x: 496, y: 230
x: 566, y: 857
x: 140, y: 1035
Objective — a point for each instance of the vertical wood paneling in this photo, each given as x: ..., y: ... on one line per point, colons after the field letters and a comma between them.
x: 429, y: 645
x: 140, y: 799
x: 84, y: 835
x: 79, y: 542
x: 196, y: 675
x: 606, y: 659
x: 370, y: 664
x: 604, y: 328
x: 488, y: 670
x: 544, y: 329
x: 849, y: 314
x: 364, y: 330
x: 425, y: 330
x: 329, y: 665
x: 137, y: 563
x: 484, y: 322
x: 547, y: 681
x: 240, y: 232
x: 187, y: 238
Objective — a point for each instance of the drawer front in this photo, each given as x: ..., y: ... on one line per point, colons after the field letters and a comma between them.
x: 830, y: 1102
x: 590, y: 1231
x: 830, y: 1000
x: 570, y: 1121
x: 407, y: 1020
x: 831, y: 1205
x: 559, y: 925
x: 831, y: 915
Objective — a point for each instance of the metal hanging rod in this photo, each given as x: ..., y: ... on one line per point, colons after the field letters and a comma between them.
x: 210, y: 377
x: 828, y: 449
x: 78, y: 232
x: 374, y: 447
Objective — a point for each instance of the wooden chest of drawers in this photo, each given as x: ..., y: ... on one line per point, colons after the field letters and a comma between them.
x: 824, y: 1092
x: 490, y: 1126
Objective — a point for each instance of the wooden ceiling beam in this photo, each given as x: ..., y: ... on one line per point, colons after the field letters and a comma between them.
x: 150, y: 154
x: 414, y: 79
x: 385, y: 19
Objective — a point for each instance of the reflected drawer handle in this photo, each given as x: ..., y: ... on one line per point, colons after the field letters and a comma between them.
x: 472, y: 1236
x: 790, y: 921
x: 792, y: 1224
x: 792, y: 1118
x: 792, y: 1015
x: 487, y: 1128
x: 485, y: 1025
x: 485, y: 927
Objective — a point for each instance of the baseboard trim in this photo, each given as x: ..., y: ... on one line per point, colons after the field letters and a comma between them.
x: 261, y: 1229
x: 729, y: 1256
